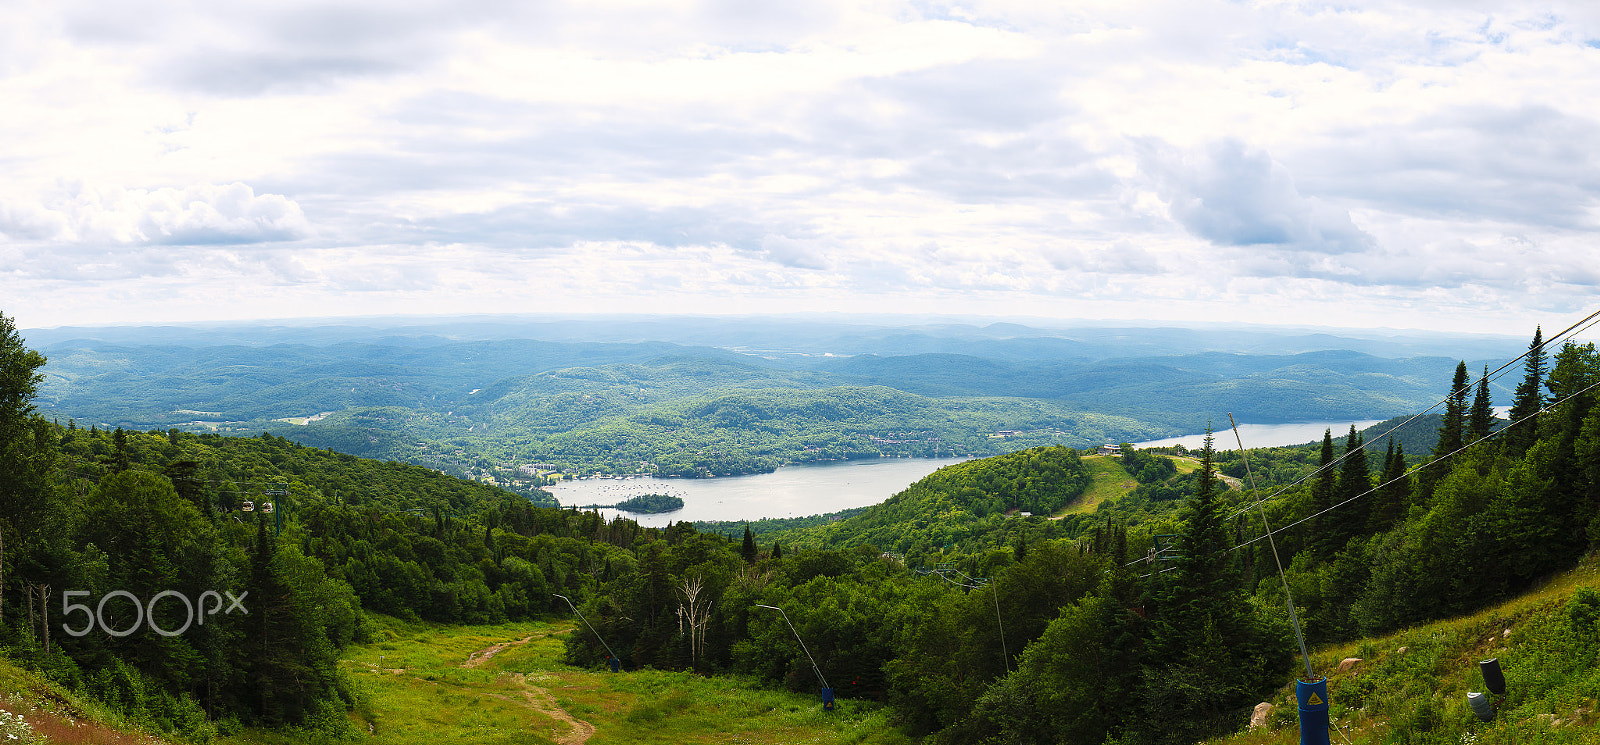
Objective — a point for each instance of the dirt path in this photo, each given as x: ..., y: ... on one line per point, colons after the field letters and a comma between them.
x: 540, y: 700
x: 483, y: 655
x: 536, y: 698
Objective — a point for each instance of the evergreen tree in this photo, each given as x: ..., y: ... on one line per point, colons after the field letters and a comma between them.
x: 185, y: 478
x: 1208, y: 654
x: 1389, y: 502
x: 29, y: 507
x: 1571, y: 504
x: 270, y: 669
x: 1528, y: 401
x: 1452, y: 431
x: 1323, y: 490
x: 119, y: 458
x: 1349, y: 518
x: 1481, y: 421
x: 1452, y: 436
x: 777, y: 551
x: 748, y: 550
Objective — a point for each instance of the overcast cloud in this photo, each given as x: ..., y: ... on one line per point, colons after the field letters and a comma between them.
x: 1431, y: 165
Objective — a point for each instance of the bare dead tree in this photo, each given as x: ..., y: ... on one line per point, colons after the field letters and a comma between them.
x: 694, y: 616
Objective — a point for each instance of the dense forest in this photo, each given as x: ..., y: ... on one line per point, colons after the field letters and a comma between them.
x: 1156, y: 619
x: 512, y: 410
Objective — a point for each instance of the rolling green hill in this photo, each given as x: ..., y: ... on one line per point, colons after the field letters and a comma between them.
x: 485, y: 407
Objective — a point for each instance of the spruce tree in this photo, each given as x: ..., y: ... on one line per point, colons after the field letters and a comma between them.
x: 119, y: 459
x: 1389, y: 501
x: 1452, y: 431
x: 1528, y: 401
x: 1207, y: 654
x: 1349, y: 518
x: 748, y: 550
x: 1481, y: 421
x: 29, y: 507
x: 1322, y: 491
x: 1452, y: 435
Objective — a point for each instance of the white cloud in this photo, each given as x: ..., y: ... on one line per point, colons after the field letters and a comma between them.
x: 1232, y: 195
x: 793, y: 253
x: 202, y: 214
x: 1077, y: 158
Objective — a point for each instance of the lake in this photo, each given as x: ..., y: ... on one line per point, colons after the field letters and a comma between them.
x: 1264, y: 435
x: 819, y: 488
x: 791, y: 491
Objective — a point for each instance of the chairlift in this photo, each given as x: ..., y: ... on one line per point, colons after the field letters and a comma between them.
x: 247, y: 506
x: 1165, y: 547
x: 266, y: 507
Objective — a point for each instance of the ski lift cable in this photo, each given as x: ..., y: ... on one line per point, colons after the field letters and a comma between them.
x: 1441, y: 459
x: 975, y: 583
x: 1446, y: 457
x: 1587, y: 322
x: 1288, y: 597
x: 1591, y: 320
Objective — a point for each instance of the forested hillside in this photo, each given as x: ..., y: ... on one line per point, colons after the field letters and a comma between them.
x: 490, y: 408
x: 1155, y: 619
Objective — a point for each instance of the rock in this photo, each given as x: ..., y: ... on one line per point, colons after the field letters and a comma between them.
x: 1258, y: 718
x: 1401, y: 650
x: 1347, y: 663
x: 1507, y: 634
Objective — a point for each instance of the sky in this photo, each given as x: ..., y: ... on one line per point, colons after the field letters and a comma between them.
x: 1426, y: 165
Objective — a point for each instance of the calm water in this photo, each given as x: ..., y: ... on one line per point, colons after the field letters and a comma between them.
x: 1265, y: 435
x: 791, y: 491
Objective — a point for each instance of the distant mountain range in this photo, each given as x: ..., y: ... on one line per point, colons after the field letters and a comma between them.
x: 734, y: 394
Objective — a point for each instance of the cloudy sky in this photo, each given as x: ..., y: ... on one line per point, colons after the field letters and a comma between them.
x: 1431, y: 165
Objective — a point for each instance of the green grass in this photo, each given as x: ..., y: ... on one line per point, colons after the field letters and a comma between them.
x: 1410, y: 687
x: 1110, y: 482
x: 416, y: 690
x: 54, y: 714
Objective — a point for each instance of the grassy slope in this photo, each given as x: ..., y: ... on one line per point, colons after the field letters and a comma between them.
x: 419, y: 691
x: 1419, y: 695
x: 1111, y: 482
x: 57, y: 715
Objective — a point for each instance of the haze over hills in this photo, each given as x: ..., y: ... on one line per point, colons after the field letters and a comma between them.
x: 711, y: 395
x: 813, y: 334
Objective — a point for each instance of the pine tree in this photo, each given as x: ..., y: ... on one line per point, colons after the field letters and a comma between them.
x: 1349, y: 518
x: 119, y: 459
x: 1452, y: 436
x: 1481, y: 421
x: 1323, y: 489
x: 1207, y: 653
x: 748, y: 550
x: 1528, y: 401
x: 1389, y: 501
x: 29, y: 507
x: 1452, y: 432
x: 777, y: 551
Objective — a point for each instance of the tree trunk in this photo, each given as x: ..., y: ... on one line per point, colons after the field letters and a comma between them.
x: 44, y: 617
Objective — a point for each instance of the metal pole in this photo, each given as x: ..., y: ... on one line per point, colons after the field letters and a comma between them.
x: 797, y: 638
x: 1304, y: 655
x: 590, y: 625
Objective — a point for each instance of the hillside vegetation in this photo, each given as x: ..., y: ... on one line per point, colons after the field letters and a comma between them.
x: 492, y: 409
x: 1411, y: 686
x: 1156, y: 618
